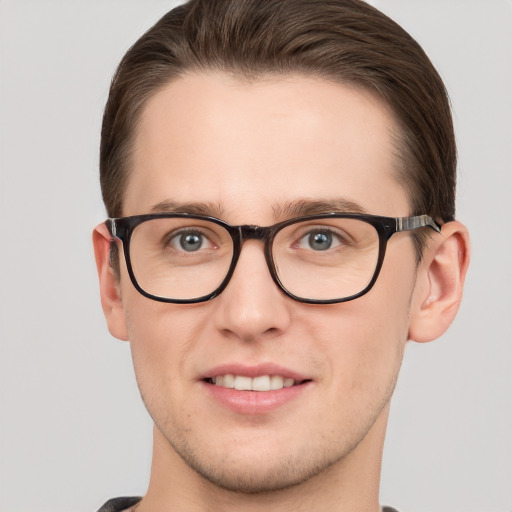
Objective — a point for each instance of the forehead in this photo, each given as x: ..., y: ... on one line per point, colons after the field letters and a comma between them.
x: 249, y: 147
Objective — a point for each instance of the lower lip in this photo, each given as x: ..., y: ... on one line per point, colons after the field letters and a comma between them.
x: 255, y: 402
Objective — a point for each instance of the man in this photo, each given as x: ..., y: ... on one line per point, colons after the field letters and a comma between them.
x: 279, y: 178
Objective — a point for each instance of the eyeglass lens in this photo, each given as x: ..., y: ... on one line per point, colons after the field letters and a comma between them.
x: 320, y: 259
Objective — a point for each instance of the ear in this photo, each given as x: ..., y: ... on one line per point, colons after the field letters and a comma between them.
x: 439, y: 283
x: 111, y: 301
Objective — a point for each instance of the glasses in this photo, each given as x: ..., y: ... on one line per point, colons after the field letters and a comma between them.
x: 320, y: 259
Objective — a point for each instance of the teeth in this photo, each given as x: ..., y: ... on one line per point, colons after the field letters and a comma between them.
x: 276, y: 382
x: 288, y: 383
x: 228, y: 381
x: 243, y: 383
x: 260, y: 383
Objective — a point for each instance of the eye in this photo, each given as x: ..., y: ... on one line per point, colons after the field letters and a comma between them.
x: 189, y: 241
x: 319, y: 240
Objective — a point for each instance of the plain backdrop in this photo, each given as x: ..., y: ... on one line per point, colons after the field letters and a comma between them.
x: 73, y: 430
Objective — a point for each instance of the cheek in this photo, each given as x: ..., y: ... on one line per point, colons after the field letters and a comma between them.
x: 160, y: 340
x: 365, y: 338
x: 368, y: 342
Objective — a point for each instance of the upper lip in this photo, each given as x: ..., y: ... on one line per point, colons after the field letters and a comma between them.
x: 254, y: 371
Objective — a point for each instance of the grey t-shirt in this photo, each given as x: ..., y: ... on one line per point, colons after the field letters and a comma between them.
x: 120, y: 504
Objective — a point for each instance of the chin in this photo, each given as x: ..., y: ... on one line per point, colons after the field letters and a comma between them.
x: 261, y: 477
x: 255, y: 470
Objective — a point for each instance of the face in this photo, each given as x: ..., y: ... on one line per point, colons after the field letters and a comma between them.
x: 245, y: 152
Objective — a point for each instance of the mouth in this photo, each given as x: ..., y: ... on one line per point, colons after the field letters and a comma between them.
x: 260, y: 383
x: 256, y: 389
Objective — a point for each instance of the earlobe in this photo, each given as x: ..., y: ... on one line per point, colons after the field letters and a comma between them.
x: 111, y: 301
x: 440, y: 283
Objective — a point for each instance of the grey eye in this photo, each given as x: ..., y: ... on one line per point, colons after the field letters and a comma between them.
x: 318, y: 241
x: 188, y: 242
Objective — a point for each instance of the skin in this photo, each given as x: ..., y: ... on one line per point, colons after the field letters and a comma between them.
x: 245, y: 150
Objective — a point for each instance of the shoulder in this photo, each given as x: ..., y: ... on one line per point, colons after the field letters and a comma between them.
x: 119, y: 504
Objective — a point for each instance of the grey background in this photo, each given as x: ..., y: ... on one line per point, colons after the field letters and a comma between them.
x: 73, y: 431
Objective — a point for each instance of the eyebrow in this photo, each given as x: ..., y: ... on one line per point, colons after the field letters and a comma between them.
x: 297, y: 208
x: 303, y: 207
x: 209, y: 209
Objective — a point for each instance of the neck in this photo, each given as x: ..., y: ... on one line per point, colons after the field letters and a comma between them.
x: 350, y: 484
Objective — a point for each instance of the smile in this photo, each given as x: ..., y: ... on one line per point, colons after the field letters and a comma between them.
x: 255, y: 389
x: 259, y: 383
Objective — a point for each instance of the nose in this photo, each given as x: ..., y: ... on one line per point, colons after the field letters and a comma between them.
x: 252, y: 307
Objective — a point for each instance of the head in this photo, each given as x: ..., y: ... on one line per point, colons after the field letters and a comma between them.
x: 255, y: 112
x: 346, y: 42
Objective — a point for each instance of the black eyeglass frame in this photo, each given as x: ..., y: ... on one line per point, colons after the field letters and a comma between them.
x: 123, y: 227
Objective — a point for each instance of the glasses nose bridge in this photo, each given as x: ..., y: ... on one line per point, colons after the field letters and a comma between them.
x: 251, y: 232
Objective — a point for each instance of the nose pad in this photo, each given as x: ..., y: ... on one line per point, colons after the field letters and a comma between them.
x: 252, y: 305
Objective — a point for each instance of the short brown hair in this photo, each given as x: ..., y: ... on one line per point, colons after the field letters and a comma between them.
x: 347, y: 41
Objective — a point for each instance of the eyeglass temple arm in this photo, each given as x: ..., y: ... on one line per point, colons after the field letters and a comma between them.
x: 111, y: 226
x: 420, y: 221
